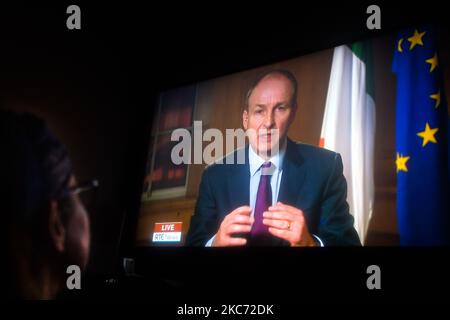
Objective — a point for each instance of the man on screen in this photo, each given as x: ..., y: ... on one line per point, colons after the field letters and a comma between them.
x: 285, y: 194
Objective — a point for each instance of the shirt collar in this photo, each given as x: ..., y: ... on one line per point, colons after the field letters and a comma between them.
x: 256, y: 161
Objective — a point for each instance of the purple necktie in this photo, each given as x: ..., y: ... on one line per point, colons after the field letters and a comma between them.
x: 260, y: 233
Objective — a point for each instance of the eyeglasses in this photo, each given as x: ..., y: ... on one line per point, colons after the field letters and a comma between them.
x: 87, y: 192
x: 85, y: 186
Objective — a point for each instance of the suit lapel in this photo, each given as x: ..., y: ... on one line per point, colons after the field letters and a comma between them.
x: 293, y: 175
x: 239, y: 183
x: 291, y: 181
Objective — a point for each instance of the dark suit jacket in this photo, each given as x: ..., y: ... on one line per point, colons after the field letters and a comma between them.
x: 312, y: 181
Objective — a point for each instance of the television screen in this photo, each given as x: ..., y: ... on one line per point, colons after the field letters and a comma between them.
x: 345, y: 131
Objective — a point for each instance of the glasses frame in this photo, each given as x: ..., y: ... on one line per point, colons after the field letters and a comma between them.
x: 85, y: 186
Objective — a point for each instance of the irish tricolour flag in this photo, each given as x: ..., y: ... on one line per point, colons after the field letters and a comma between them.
x: 349, y: 126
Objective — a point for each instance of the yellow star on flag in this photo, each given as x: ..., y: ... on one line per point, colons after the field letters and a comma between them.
x: 399, y: 45
x: 437, y: 97
x: 416, y: 39
x: 401, y: 163
x: 428, y: 135
x: 433, y: 62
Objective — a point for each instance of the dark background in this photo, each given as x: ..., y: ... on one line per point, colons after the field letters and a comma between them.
x: 77, y: 82
x: 96, y: 86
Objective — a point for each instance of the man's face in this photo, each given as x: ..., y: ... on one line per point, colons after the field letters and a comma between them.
x: 269, y: 107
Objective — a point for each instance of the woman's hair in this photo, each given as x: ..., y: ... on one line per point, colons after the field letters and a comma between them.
x: 35, y: 167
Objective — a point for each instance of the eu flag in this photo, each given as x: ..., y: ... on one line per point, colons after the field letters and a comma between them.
x: 422, y: 140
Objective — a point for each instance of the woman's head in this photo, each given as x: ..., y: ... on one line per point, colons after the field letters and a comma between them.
x: 46, y: 222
